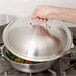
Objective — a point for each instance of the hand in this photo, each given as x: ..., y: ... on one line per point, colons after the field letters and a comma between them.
x: 44, y: 13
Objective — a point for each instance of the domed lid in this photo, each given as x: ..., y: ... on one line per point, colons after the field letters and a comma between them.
x: 35, y: 41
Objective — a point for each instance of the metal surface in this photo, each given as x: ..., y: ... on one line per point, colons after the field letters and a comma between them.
x: 29, y: 68
x: 59, y: 67
x: 4, y: 21
x: 22, y: 41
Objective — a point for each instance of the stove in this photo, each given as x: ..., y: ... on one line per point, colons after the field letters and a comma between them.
x: 7, y: 70
x: 64, y: 66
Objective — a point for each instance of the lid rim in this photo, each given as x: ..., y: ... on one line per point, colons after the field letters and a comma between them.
x: 40, y: 59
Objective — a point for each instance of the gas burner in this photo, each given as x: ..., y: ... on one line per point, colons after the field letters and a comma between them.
x: 7, y: 70
x: 44, y: 73
x: 14, y: 72
x: 65, y: 66
x: 73, y: 63
x: 68, y: 63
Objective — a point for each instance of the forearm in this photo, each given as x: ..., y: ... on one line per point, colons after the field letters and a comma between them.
x: 66, y: 14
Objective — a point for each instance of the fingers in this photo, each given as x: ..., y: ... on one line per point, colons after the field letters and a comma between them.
x: 44, y: 13
x: 40, y: 19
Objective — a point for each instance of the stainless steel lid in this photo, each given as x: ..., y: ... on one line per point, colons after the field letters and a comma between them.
x: 36, y: 41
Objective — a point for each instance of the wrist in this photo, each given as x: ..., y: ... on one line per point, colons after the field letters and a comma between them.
x: 61, y: 13
x: 56, y: 12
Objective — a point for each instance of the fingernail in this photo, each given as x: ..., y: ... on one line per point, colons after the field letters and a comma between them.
x: 46, y: 19
x: 41, y: 19
x: 37, y: 19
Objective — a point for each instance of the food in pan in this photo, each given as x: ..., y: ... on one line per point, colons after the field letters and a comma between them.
x: 20, y: 60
